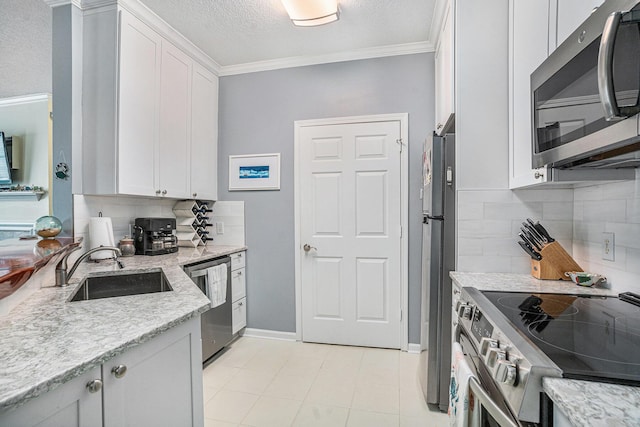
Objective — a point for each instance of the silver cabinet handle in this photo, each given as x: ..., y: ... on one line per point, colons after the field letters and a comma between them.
x: 538, y: 175
x: 240, y: 255
x: 308, y: 247
x: 194, y: 194
x: 94, y: 386
x: 239, y: 304
x: 164, y: 192
x: 239, y: 273
x: 157, y: 191
x: 119, y: 371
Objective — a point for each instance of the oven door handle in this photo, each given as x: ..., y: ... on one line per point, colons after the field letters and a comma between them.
x: 485, y: 400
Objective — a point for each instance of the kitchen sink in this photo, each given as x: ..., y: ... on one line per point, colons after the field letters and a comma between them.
x: 119, y: 284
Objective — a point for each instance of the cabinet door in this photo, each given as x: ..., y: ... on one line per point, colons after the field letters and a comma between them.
x: 569, y: 15
x: 162, y: 385
x: 139, y: 81
x: 528, y: 49
x: 444, y: 73
x: 204, y: 134
x: 175, y: 122
x: 238, y: 285
x: 239, y: 315
x: 71, y: 404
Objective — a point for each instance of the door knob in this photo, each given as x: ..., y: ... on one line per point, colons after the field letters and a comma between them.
x: 94, y: 386
x: 119, y: 371
x: 308, y: 247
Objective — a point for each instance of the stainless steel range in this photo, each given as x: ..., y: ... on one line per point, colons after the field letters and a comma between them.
x: 513, y: 339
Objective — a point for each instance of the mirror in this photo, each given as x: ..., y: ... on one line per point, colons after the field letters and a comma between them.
x: 25, y: 106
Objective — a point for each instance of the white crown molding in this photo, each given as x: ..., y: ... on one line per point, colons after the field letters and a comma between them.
x: 24, y: 99
x: 56, y: 3
x: 301, y: 61
x: 150, y: 18
x: 437, y: 21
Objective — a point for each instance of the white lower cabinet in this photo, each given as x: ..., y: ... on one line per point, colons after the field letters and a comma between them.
x: 70, y: 405
x: 239, y: 315
x: 158, y: 383
x: 238, y: 291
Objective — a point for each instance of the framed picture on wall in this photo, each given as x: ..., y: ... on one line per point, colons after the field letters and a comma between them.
x: 254, y: 172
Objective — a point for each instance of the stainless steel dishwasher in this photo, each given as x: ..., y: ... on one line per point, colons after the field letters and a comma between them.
x: 216, y: 322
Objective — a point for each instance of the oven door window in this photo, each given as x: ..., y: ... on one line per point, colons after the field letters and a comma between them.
x: 568, y: 105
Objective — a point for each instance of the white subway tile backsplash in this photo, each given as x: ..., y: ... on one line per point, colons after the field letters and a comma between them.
x: 611, y: 210
x: 489, y: 223
x: 470, y: 210
x: 469, y: 246
x: 485, y: 196
x: 484, y: 264
x: 626, y: 235
x: 545, y: 195
x: 552, y: 211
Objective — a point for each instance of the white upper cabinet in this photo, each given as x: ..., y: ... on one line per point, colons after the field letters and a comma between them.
x: 139, y: 77
x: 444, y: 73
x: 535, y: 30
x: 204, y: 134
x: 150, y: 111
x: 568, y: 14
x: 528, y: 47
x: 175, y: 122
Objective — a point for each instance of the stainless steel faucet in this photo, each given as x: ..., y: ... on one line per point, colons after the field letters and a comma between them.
x: 62, y: 277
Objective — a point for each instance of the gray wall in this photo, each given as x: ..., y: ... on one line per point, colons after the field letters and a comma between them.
x: 257, y: 112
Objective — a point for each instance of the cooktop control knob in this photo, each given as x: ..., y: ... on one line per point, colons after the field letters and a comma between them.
x: 486, y: 344
x: 506, y: 372
x: 464, y: 311
x: 495, y: 355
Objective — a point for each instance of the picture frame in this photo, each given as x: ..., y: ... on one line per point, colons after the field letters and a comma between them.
x: 252, y: 172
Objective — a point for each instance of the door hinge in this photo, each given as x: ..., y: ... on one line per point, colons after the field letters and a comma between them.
x: 401, y: 315
x: 400, y: 143
x: 400, y: 231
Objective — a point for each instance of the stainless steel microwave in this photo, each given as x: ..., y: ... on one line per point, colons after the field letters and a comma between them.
x: 585, y: 95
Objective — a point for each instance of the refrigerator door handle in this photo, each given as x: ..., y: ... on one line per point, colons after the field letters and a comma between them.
x: 426, y: 218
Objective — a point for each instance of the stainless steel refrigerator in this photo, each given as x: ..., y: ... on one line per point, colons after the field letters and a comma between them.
x: 438, y: 258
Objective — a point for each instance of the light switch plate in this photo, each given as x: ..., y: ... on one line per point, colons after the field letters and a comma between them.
x: 219, y: 227
x: 608, y: 246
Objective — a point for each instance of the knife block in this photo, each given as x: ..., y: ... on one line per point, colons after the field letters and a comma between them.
x: 554, y: 263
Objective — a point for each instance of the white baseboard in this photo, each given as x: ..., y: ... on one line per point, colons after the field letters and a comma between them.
x: 272, y: 335
x: 414, y: 348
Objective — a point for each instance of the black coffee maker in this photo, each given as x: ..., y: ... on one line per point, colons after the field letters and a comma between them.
x: 154, y: 236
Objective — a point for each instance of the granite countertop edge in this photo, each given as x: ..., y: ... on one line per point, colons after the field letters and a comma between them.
x: 582, y: 402
x: 22, y: 329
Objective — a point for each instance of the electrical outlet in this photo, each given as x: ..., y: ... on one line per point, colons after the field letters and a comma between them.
x: 219, y: 227
x: 608, y: 246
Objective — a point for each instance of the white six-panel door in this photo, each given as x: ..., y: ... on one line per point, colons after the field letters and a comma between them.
x: 350, y: 218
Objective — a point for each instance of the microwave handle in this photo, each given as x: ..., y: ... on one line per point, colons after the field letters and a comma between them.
x: 485, y: 401
x: 605, y: 68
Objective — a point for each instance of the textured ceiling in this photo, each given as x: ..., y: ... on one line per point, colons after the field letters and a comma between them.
x: 236, y: 32
x: 25, y: 47
x: 232, y: 32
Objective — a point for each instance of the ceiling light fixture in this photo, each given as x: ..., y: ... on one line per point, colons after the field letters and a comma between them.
x: 308, y: 13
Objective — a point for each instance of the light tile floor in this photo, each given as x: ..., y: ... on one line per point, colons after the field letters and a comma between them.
x: 271, y: 383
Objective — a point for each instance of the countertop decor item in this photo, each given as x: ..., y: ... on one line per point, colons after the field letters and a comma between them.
x: 127, y: 248
x: 48, y: 226
x: 583, y: 278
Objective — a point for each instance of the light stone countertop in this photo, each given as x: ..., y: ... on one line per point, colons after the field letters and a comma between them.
x: 585, y: 403
x: 593, y: 404
x: 47, y: 341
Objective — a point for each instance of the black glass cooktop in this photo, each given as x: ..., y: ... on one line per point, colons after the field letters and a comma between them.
x: 588, y: 337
